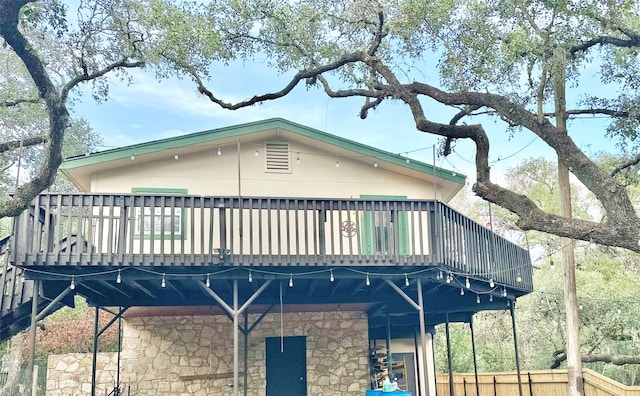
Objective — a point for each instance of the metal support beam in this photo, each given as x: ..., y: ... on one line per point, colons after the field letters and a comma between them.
x: 113, y: 320
x: 388, y: 342
x: 403, y: 294
x: 449, y: 363
x: 246, y: 351
x: 419, y: 363
x: 234, y: 312
x: 419, y: 306
x: 216, y: 297
x: 53, y: 303
x: 32, y: 332
x: 475, y: 361
x: 423, y: 339
x: 235, y: 337
x: 262, y: 316
x: 253, y: 297
x: 515, y: 344
x: 120, y: 312
x: 94, y: 365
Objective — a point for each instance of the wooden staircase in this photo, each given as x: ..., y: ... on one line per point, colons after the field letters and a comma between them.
x: 16, y: 297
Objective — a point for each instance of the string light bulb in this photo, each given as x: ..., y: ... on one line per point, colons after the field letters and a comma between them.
x: 133, y: 157
x: 504, y: 292
x: 290, y: 280
x: 490, y: 297
x: 219, y: 151
x: 467, y: 284
x: 298, y: 159
x: 406, y: 280
x: 331, y: 278
x: 208, y: 281
x: 257, y: 153
x: 375, y: 164
x: 164, y: 282
x: 491, y: 284
x: 250, y: 277
x: 337, y: 164
x: 440, y: 275
x: 22, y: 279
x: 176, y: 157
x: 519, y: 278
x: 73, y: 282
x: 448, y: 278
x: 119, y: 277
x: 552, y: 265
x: 407, y: 160
x: 368, y: 281
x: 462, y: 291
x: 477, y: 299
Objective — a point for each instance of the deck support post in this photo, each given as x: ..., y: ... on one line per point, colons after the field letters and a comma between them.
x: 235, y: 337
x: 32, y: 333
x: 515, y: 343
x: 419, y: 362
x: 234, y: 312
x: 425, y: 373
x: 245, y: 355
x: 428, y: 383
x: 119, y: 350
x: 475, y: 361
x: 449, y: 360
x: 388, y: 344
x: 94, y: 365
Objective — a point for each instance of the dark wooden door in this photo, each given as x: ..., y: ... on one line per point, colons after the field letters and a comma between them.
x: 286, y: 366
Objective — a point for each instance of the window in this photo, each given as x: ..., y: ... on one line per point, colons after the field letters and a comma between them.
x: 169, y: 221
x: 378, y: 233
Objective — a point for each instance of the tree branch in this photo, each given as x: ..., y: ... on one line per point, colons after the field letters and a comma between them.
x: 123, y: 63
x: 463, y: 113
x: 369, y: 105
x: 598, y: 111
x: 16, y: 144
x: 634, y: 161
x: 621, y: 225
x: 11, y: 103
x: 618, y: 360
x: 604, y: 40
x: 299, y: 76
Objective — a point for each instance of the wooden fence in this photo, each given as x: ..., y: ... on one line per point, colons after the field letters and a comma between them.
x: 534, y: 383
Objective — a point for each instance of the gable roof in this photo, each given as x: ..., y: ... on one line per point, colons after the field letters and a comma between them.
x: 91, y: 160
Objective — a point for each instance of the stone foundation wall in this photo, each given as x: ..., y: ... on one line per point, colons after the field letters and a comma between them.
x: 174, y: 355
x: 70, y: 374
x: 177, y: 355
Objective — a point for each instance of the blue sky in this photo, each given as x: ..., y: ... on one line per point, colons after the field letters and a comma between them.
x: 149, y: 109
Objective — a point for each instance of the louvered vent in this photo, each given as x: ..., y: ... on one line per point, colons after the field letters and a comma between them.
x: 277, y: 157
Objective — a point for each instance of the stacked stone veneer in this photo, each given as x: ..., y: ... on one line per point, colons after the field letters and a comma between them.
x: 71, y: 374
x: 165, y: 355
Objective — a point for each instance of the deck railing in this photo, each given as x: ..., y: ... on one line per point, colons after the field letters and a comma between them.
x: 184, y: 230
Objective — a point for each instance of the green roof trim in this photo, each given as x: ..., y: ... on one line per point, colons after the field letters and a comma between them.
x: 248, y: 128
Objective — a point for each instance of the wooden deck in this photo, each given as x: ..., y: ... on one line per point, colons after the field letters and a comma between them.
x: 60, y: 231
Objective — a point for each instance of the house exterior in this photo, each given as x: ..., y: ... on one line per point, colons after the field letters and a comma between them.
x: 321, y: 253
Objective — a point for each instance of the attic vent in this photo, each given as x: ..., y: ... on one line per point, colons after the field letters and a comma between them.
x: 277, y: 157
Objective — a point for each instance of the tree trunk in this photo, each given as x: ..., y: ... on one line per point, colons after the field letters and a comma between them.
x: 574, y: 363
